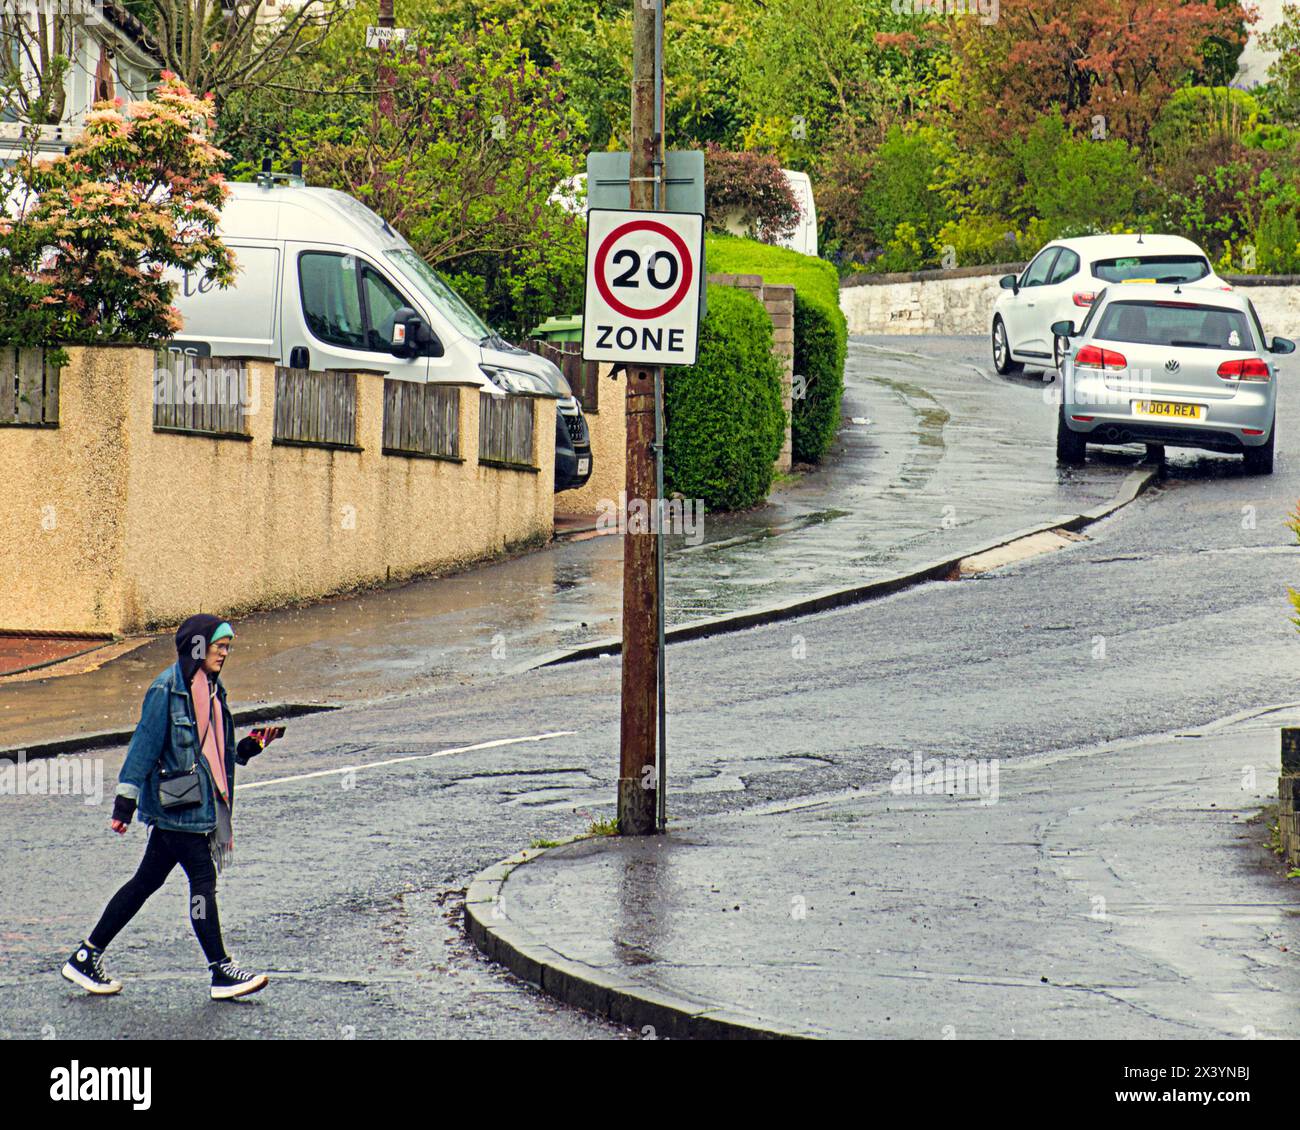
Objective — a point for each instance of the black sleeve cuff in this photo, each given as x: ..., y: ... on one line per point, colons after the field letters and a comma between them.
x: 123, y: 809
x: 247, y: 749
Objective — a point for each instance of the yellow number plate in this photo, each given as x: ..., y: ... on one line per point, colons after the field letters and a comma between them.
x: 1169, y: 410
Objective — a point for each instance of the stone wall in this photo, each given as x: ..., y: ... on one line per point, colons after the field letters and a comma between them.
x: 607, y: 426
x: 107, y: 525
x: 961, y: 301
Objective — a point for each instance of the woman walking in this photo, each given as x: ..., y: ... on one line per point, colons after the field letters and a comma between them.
x: 180, y: 772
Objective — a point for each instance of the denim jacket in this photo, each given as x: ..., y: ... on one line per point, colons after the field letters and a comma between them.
x: 167, y: 737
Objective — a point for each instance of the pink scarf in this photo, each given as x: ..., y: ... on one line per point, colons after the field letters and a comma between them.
x: 212, y: 728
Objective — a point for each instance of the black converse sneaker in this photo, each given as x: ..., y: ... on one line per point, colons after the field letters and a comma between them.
x: 228, y: 981
x: 86, y: 968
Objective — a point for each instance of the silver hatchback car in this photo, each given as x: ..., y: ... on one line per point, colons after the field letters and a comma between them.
x: 1174, y: 365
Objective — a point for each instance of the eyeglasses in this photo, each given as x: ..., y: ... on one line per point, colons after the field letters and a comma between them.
x: 221, y: 648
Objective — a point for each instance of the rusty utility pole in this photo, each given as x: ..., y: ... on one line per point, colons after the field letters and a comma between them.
x: 387, y: 19
x: 637, y: 778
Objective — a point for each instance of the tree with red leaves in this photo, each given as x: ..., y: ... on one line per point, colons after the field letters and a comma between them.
x: 1108, y: 65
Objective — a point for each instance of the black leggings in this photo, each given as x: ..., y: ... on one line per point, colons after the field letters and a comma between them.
x: 164, y: 851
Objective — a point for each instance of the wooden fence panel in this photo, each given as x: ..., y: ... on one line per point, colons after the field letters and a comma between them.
x: 316, y: 408
x: 29, y: 388
x: 421, y: 419
x: 505, y: 432
x: 203, y: 395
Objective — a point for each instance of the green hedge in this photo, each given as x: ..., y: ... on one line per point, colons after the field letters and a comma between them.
x: 820, y: 331
x: 723, y: 415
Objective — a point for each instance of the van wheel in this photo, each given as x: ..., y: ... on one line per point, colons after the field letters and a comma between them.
x: 1002, y: 361
x: 1071, y: 447
x: 1259, y: 460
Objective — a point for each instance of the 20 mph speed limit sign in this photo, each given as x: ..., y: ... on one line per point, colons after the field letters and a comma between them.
x: 643, y: 287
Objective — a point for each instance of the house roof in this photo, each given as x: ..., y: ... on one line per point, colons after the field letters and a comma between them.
x: 132, y: 28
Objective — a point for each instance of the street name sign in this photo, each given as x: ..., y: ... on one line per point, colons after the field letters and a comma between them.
x: 383, y: 36
x: 644, y: 272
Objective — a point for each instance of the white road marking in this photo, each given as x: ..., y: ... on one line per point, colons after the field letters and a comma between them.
x: 413, y: 757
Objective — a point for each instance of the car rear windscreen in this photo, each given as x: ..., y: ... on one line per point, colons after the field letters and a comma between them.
x: 1152, y: 268
x: 1175, y: 324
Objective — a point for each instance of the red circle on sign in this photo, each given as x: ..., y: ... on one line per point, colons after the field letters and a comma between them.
x: 682, y: 250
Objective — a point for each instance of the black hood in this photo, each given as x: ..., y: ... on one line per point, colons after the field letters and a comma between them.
x: 189, y: 650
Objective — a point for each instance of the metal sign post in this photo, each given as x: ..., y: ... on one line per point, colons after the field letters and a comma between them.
x: 660, y: 167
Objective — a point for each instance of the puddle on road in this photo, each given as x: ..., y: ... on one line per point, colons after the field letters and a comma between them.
x: 932, y: 418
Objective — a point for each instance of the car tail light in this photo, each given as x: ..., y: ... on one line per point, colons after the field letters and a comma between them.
x: 1093, y: 357
x: 1084, y: 297
x: 1245, y: 369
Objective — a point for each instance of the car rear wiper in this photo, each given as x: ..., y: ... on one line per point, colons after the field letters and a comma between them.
x: 1178, y: 344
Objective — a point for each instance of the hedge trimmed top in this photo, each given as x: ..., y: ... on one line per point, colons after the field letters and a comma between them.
x: 816, y: 279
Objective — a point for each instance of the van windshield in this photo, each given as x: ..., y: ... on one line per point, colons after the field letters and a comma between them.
x: 448, y: 302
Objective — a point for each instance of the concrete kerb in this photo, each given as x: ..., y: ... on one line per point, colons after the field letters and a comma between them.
x: 1134, y: 484
x: 268, y: 712
x: 585, y: 986
x: 627, y: 1002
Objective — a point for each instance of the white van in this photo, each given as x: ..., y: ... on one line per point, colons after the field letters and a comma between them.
x: 325, y: 283
x: 804, y: 237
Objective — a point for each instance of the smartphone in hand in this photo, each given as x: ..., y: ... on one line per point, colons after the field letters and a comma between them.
x: 267, y: 734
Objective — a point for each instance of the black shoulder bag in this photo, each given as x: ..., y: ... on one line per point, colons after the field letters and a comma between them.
x: 180, y: 788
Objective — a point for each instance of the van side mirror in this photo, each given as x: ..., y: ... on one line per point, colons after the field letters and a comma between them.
x: 412, y: 336
x: 1063, y: 329
x: 1009, y: 282
x: 1282, y: 345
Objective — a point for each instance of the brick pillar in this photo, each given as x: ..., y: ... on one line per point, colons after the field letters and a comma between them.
x: 778, y: 301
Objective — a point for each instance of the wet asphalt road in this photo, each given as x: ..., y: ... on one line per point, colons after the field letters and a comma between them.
x: 931, y: 462
x: 1174, y: 612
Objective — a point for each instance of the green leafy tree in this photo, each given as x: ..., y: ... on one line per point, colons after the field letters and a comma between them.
x: 461, y: 152
x: 817, y: 67
x: 1283, y: 91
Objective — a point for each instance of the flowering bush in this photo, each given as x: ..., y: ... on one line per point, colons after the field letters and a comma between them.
x: 749, y: 189
x: 95, y: 229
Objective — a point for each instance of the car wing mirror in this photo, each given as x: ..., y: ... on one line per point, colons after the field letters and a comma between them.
x: 1282, y: 345
x: 402, y: 341
x: 412, y: 336
x: 1010, y: 282
x: 1063, y: 329
x: 427, y: 341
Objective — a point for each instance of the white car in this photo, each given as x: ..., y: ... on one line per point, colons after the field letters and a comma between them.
x: 1061, y: 281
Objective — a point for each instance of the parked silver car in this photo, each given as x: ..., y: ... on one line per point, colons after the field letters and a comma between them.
x: 1175, y: 365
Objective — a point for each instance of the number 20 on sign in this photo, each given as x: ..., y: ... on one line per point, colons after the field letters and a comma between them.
x: 644, y: 271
